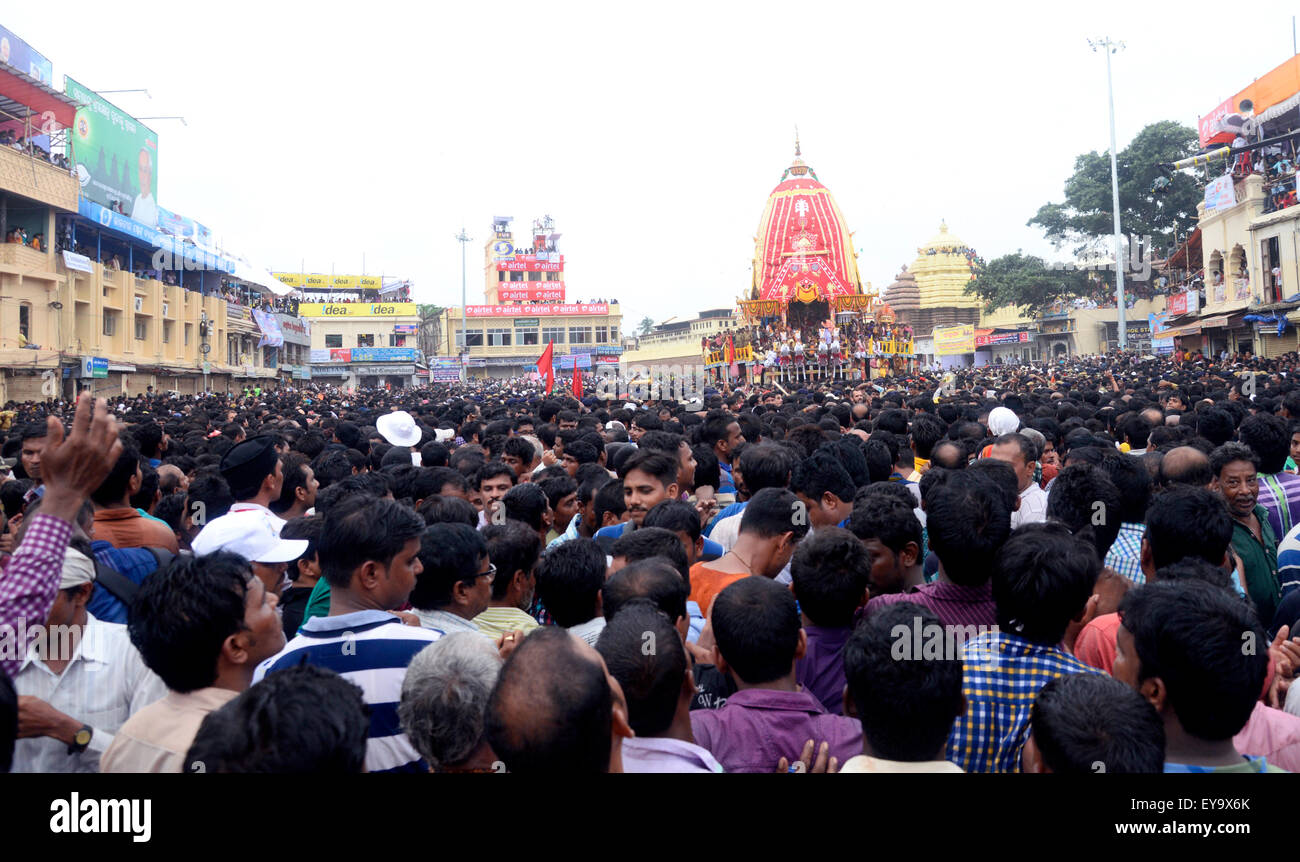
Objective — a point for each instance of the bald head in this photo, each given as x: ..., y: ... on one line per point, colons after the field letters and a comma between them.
x: 552, y: 707
x: 172, y: 479
x: 1185, y: 465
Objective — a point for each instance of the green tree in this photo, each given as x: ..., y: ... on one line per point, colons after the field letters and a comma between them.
x: 1026, y: 282
x: 646, y: 326
x: 428, y: 312
x: 1084, y: 221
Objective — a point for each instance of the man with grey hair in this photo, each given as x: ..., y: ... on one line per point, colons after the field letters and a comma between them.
x: 444, y: 697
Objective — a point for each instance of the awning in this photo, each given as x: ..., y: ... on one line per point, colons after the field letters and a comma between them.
x: 1179, y: 331
x: 256, y: 275
x: 20, y: 94
x: 1279, y: 109
x: 1222, y: 321
x: 1188, y: 255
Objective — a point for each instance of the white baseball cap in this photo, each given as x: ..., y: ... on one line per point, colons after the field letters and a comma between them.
x: 249, y: 534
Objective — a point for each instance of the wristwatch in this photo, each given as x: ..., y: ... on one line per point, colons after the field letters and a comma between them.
x: 81, y: 739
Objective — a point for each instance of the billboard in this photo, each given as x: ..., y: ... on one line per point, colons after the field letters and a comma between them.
x: 384, y: 354
x: 183, y: 227
x: 25, y: 58
x: 1187, y: 302
x: 531, y: 264
x: 954, y: 340
x: 357, y: 309
x: 116, y: 156
x: 530, y: 291
x: 271, y: 334
x: 318, y: 281
x: 1001, y: 338
x: 538, y: 310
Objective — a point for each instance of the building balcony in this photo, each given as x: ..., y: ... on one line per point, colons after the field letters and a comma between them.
x: 37, y: 179
x: 22, y: 259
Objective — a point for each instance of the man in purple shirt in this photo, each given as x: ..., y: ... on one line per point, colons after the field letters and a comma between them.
x: 969, y: 519
x: 759, y: 639
x: 72, y: 467
x: 646, y: 654
x: 829, y: 573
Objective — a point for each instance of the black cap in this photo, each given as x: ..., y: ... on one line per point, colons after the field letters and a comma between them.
x: 249, y: 462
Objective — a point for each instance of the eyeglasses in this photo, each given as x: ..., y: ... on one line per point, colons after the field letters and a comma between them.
x: 490, y: 574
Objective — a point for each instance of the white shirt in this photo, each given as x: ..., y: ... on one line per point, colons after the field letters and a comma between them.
x: 727, y: 531
x: 590, y: 630
x: 105, y: 684
x: 1033, y: 507
x: 145, y: 210
x: 277, y: 523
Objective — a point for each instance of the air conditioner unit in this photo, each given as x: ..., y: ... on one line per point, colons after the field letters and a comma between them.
x: 139, y: 303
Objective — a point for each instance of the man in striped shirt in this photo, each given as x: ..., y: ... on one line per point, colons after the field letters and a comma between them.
x: 369, y: 551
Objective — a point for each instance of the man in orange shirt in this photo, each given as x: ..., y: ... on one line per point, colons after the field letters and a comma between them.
x: 116, y: 520
x: 772, y: 524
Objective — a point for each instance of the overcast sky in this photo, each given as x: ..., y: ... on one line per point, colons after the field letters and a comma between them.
x: 652, y: 133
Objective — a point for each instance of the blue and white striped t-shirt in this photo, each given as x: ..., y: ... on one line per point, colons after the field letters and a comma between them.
x: 372, y: 650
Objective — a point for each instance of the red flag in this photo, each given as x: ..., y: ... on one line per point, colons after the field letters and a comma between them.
x: 577, y: 382
x: 546, y: 368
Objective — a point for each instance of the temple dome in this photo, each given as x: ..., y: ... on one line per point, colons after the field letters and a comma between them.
x: 904, y: 294
x: 942, y: 269
x: 803, y: 250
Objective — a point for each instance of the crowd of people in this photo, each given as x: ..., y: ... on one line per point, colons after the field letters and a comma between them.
x: 9, y: 138
x: 22, y: 236
x: 793, y: 352
x: 999, y: 569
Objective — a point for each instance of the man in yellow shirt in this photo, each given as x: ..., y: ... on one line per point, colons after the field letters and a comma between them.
x: 513, y: 549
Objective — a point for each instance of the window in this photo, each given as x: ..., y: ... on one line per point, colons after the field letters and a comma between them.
x: 25, y: 320
x: 516, y: 276
x: 554, y: 276
x: 270, y: 356
x: 553, y: 333
x: 395, y: 340
x: 110, y: 324
x: 613, y: 334
x: 602, y: 334
x: 534, y: 276
x: 232, y: 351
x: 188, y: 326
x: 501, y: 275
x: 579, y: 334
x: 334, y: 339
x: 526, y: 336
x: 473, y: 338
x: 167, y: 331
x: 366, y: 340
x: 498, y: 337
x: 141, y: 328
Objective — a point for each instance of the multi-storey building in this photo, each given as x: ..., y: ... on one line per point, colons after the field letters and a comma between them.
x: 526, y: 306
x: 93, y: 299
x: 364, y: 329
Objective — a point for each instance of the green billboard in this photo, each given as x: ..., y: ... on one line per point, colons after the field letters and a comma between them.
x: 115, y: 155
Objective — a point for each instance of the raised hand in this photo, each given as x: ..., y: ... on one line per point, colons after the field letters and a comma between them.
x: 75, y: 465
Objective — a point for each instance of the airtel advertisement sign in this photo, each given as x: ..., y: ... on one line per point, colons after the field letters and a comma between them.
x: 531, y: 291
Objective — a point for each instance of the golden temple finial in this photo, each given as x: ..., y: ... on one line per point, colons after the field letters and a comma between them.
x: 797, y: 154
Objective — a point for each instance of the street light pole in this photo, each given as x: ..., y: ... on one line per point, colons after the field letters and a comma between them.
x: 463, y: 238
x: 1110, y: 48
